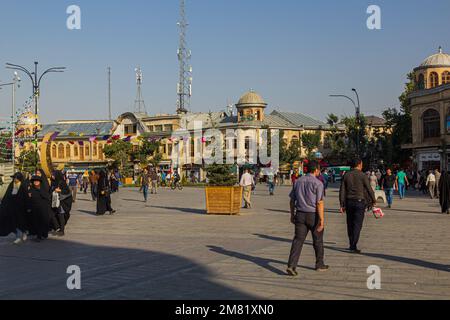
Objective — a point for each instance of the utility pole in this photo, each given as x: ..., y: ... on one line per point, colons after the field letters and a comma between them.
x: 109, y: 94
x: 184, y: 87
x: 36, y: 82
x: 358, y: 123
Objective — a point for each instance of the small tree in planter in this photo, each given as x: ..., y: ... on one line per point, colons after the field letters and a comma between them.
x: 222, y: 194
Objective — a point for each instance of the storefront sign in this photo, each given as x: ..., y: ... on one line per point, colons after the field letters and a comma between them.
x: 424, y: 157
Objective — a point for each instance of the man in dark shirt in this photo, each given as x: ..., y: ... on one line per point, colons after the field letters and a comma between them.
x: 307, y: 214
x: 389, y: 184
x: 356, y: 196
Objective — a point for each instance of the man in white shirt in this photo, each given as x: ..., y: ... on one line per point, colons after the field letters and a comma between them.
x: 431, y: 184
x: 247, y: 182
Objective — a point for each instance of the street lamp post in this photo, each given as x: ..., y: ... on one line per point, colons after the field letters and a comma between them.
x: 13, y: 85
x: 358, y: 121
x: 358, y: 117
x: 36, y: 82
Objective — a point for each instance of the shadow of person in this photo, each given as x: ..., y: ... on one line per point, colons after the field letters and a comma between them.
x: 405, y: 260
x: 39, y: 272
x: 91, y: 213
x: 185, y: 210
x: 262, y: 262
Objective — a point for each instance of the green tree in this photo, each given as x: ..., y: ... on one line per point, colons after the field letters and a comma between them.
x: 311, y: 141
x: 5, y: 147
x: 221, y: 175
x: 119, y: 151
x: 148, y: 152
x: 28, y: 161
x: 399, y: 124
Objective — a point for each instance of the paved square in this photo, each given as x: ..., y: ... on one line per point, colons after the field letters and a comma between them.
x: 169, y: 249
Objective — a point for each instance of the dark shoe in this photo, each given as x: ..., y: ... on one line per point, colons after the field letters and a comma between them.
x: 112, y: 212
x: 60, y: 234
x: 355, y: 251
x: 292, y: 272
x: 323, y: 268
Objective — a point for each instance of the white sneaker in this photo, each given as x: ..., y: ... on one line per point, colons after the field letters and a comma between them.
x: 18, y: 241
x: 24, y: 237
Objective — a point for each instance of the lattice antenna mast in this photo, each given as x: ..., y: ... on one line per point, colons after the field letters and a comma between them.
x: 184, y: 88
x: 139, y: 103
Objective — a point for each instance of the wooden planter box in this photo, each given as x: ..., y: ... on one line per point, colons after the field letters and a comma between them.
x: 223, y: 200
x: 127, y: 181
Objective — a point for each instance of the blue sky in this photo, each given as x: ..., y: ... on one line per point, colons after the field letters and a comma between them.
x: 294, y: 53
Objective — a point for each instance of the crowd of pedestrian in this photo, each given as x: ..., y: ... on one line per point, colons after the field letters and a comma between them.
x: 357, y: 195
x: 35, y: 206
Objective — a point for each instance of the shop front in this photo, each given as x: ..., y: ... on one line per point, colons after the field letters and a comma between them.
x: 429, y: 160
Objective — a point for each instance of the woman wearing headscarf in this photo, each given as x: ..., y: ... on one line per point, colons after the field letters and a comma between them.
x: 61, y: 203
x: 444, y: 192
x: 39, y: 199
x: 13, y: 215
x: 104, y: 195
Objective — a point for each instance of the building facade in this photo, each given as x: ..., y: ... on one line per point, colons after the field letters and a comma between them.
x: 430, y: 108
x: 79, y: 144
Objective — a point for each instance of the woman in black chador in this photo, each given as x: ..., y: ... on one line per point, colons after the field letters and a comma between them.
x: 13, y: 215
x: 61, y: 203
x: 444, y: 192
x: 104, y: 195
x: 39, y: 200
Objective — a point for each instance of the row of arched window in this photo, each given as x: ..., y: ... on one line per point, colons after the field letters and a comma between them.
x: 434, y: 80
x: 62, y: 151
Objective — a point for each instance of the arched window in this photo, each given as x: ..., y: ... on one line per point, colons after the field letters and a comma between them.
x: 75, y: 151
x: 100, y: 152
x: 421, y: 82
x: 54, y: 151
x: 295, y: 140
x: 87, y: 151
x: 94, y: 150
x: 434, y: 79
x: 446, y: 77
x: 431, y: 124
x: 68, y: 153
x: 61, y: 151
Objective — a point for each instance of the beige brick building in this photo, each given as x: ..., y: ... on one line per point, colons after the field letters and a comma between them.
x: 430, y: 106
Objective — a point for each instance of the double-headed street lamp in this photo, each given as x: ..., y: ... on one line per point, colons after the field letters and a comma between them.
x: 36, y: 82
x: 358, y: 117
x: 14, y: 85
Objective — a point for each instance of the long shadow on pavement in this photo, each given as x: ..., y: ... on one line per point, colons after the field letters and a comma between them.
x: 39, y: 271
x: 411, y: 261
x: 186, y: 210
x: 262, y: 262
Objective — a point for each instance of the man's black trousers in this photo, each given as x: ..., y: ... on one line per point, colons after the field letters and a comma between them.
x: 356, y: 210
x: 304, y: 223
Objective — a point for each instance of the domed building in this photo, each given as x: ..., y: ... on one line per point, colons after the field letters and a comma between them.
x: 434, y: 71
x: 251, y: 107
x: 430, y: 108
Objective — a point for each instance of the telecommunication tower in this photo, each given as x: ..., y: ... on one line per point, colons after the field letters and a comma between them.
x: 184, y: 87
x: 139, y: 103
